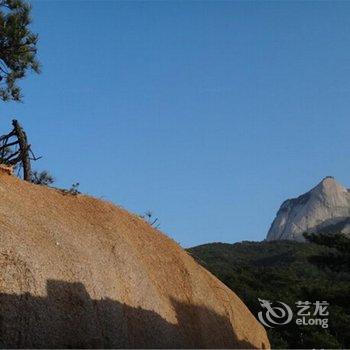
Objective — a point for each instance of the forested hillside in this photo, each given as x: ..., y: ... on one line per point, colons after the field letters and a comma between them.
x: 289, y: 272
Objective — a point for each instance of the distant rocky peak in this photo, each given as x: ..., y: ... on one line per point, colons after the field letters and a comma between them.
x: 329, y: 185
x: 327, y: 203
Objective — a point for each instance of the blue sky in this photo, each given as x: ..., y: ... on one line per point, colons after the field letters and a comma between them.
x: 208, y: 113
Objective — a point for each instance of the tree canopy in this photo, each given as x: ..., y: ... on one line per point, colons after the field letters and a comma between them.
x: 18, y: 47
x: 289, y: 271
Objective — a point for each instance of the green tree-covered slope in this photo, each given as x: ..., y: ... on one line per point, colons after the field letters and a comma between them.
x: 285, y: 271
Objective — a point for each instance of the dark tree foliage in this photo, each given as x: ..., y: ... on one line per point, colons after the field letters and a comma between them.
x: 286, y: 271
x: 335, y: 261
x: 339, y: 259
x: 42, y: 178
x: 339, y: 241
x: 18, y: 47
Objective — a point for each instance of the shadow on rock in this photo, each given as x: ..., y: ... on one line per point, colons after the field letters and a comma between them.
x: 69, y: 318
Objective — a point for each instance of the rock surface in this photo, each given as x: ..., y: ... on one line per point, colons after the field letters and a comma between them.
x: 77, y: 272
x: 326, y: 208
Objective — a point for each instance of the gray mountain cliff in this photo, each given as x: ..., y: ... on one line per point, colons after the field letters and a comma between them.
x: 325, y: 208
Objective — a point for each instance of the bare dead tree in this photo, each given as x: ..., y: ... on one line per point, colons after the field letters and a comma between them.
x: 16, y: 151
x: 24, y: 148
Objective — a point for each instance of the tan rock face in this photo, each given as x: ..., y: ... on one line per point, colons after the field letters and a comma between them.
x: 80, y: 272
x: 6, y: 169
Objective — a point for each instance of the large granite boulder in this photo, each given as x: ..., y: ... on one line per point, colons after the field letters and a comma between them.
x: 77, y: 272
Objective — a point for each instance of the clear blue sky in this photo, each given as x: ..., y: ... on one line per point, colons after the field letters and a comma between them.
x: 208, y: 113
